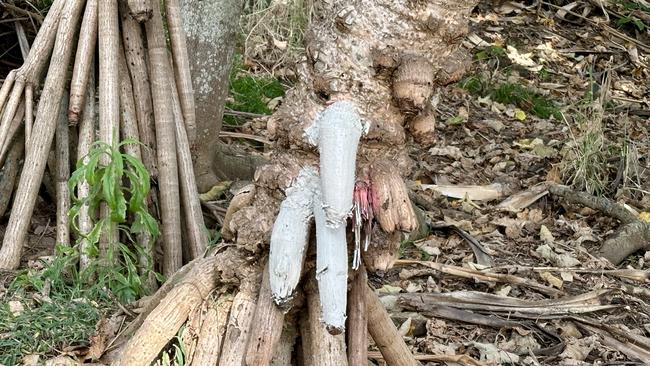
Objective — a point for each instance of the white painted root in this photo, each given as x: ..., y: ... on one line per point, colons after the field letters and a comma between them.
x: 339, y: 131
x: 331, y: 270
x: 290, y: 235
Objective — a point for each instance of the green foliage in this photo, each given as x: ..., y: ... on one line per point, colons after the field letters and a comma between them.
x: 65, y: 316
x: 492, y: 52
x: 175, y: 354
x: 251, y: 93
x: 632, y: 5
x: 631, y: 21
x: 525, y: 99
x: 408, y: 249
x: 45, y: 327
x: 122, y: 185
x: 544, y: 74
x: 215, y: 238
x: 474, y: 84
x: 510, y: 93
x: 43, y: 4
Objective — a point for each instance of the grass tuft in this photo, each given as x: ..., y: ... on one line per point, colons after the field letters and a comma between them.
x: 515, y: 94
x: 251, y: 93
x: 60, y: 310
x: 274, y: 31
x: 585, y: 163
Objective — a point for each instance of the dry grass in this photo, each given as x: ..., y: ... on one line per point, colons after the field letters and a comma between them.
x: 596, y: 164
x: 585, y: 162
x: 274, y: 31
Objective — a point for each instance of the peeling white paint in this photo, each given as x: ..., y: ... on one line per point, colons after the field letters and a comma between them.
x: 331, y: 269
x: 290, y: 235
x: 340, y: 129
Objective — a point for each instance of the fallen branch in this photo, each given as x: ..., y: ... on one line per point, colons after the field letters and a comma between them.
x: 597, y: 203
x: 483, y: 276
x: 18, y: 10
x: 459, y: 359
x: 633, y: 236
x: 482, y: 302
x: 636, y: 275
x: 629, y: 347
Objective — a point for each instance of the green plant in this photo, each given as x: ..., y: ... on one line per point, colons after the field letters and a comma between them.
x: 474, y: 85
x: 408, y: 249
x: 251, y: 93
x: 632, y: 5
x: 122, y: 184
x: 510, y: 93
x: 215, y: 238
x: 174, y: 355
x: 544, y: 74
x: 631, y: 21
x: 60, y: 304
x: 491, y: 52
x: 64, y: 315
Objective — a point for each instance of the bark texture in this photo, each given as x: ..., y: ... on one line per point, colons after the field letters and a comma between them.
x: 211, y: 28
x: 266, y: 327
x: 239, y: 324
x: 384, y: 58
x: 353, y: 51
x: 384, y: 333
x: 166, y: 142
x: 357, y: 329
x: 326, y: 349
x: 41, y: 140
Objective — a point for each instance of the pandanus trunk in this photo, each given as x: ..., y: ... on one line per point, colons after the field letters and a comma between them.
x: 372, y: 67
x: 353, y: 68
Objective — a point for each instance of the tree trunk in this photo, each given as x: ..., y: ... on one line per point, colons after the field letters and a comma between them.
x: 211, y: 27
x: 380, y: 60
